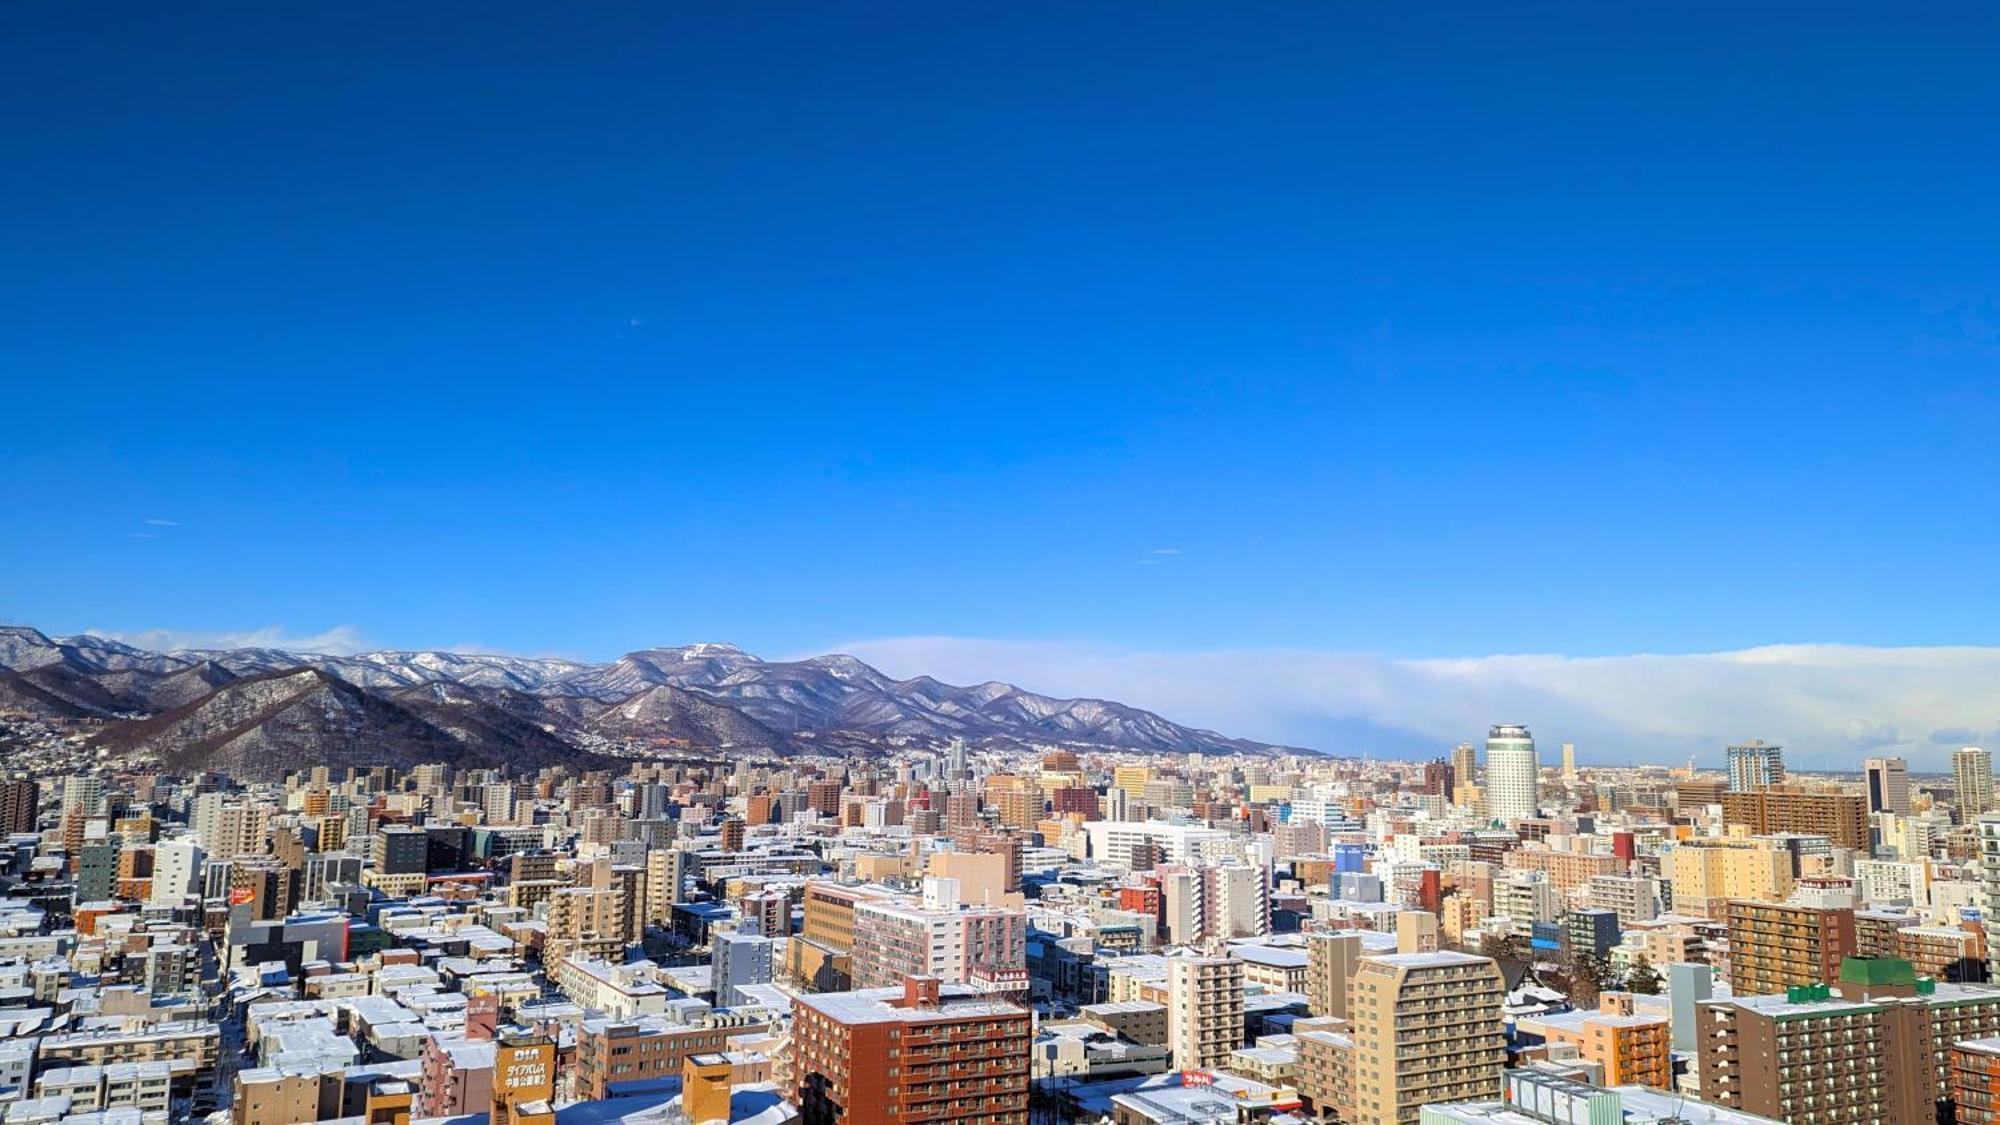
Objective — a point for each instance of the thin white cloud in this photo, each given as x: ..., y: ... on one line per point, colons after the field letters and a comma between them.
x: 341, y: 640
x: 164, y: 523
x: 1166, y: 550
x: 140, y: 535
x: 1830, y: 705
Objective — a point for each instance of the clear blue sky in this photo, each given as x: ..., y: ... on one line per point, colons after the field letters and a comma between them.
x: 1420, y: 331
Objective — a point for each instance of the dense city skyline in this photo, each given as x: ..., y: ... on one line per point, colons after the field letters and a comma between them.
x: 899, y: 563
x: 653, y: 931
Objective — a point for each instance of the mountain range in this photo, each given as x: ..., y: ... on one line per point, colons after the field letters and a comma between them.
x: 260, y: 711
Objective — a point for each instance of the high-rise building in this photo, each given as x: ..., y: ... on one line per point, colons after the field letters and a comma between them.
x: 96, y: 871
x: 1438, y: 779
x: 1204, y: 1010
x: 1634, y: 898
x: 737, y: 960
x: 1132, y: 779
x: 1873, y: 1045
x: 1331, y: 956
x: 20, y: 803
x: 1773, y: 946
x: 1706, y: 875
x: 664, y: 883
x: 1755, y: 765
x: 1235, y: 901
x: 1465, y: 763
x: 430, y: 777
x: 1975, y: 1081
x: 1773, y: 809
x: 1888, y: 785
x: 230, y: 829
x: 401, y: 851
x: 821, y: 957
x: 83, y: 795
x: 177, y: 867
x: 1513, y: 774
x: 1688, y: 984
x: 1694, y: 793
x: 1989, y: 886
x: 1021, y: 806
x: 590, y: 921
x: 1427, y: 1029
x: 823, y: 797
x: 939, y: 937
x: 730, y: 835
x: 922, y: 1052
x: 1326, y: 1069
x: 1972, y: 776
x: 1465, y: 775
x: 1080, y: 800
x: 1569, y: 761
x: 496, y: 803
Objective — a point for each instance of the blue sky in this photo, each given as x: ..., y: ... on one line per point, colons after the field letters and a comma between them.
x: 1171, y: 328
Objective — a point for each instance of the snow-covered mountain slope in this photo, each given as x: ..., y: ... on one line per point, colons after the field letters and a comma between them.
x: 711, y: 695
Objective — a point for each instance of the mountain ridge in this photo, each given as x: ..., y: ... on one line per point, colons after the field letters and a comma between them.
x: 487, y: 706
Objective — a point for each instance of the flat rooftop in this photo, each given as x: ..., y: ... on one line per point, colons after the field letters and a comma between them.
x: 884, y: 1005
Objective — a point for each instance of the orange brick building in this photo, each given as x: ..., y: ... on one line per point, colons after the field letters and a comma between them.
x: 898, y: 1056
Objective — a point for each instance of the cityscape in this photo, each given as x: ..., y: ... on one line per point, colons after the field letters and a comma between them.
x: 909, y: 928
x: 872, y: 562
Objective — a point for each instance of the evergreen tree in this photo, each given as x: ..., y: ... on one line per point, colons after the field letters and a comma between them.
x: 1643, y: 978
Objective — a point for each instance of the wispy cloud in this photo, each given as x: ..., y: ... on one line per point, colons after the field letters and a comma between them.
x: 140, y: 535
x: 341, y: 640
x: 1166, y: 550
x: 1830, y: 705
x: 164, y: 523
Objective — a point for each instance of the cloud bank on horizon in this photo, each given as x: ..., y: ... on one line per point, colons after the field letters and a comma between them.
x: 340, y: 640
x: 1829, y: 705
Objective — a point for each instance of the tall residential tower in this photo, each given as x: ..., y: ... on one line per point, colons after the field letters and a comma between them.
x: 1755, y: 765
x: 1972, y: 774
x: 1513, y: 773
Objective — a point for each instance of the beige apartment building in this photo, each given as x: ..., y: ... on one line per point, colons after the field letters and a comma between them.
x: 1707, y: 875
x: 1204, y: 1010
x: 1427, y: 1029
x: 591, y: 921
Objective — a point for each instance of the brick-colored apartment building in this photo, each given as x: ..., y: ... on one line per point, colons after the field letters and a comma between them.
x: 610, y: 1051
x: 1975, y: 1082
x: 1875, y: 1046
x: 1841, y: 817
x: 902, y: 1056
x: 1566, y: 870
x: 1773, y: 946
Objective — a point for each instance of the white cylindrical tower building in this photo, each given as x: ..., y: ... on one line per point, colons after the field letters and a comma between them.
x: 1513, y: 773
